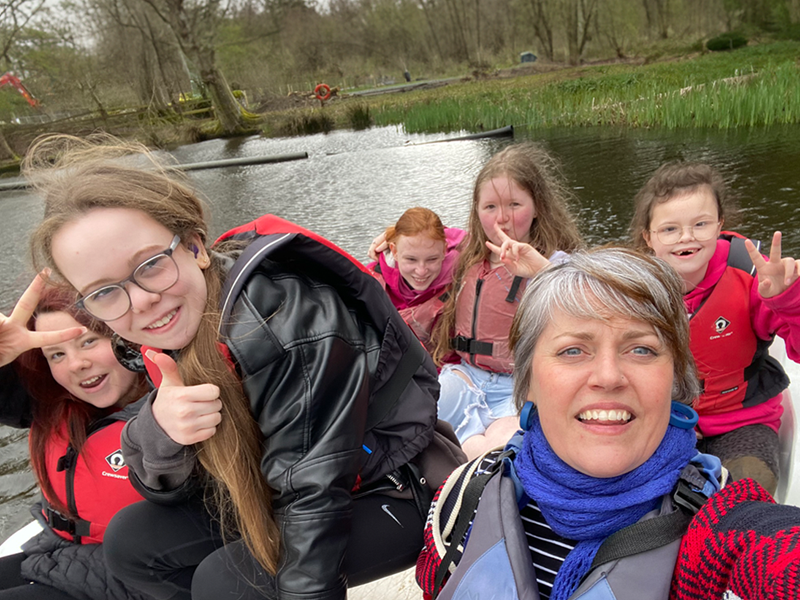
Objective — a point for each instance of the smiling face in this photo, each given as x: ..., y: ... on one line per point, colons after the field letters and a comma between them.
x: 419, y: 259
x: 502, y: 201
x: 603, y: 391
x: 688, y: 256
x: 85, y: 366
x: 105, y: 245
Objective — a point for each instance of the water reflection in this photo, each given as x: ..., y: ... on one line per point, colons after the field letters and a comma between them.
x: 354, y: 184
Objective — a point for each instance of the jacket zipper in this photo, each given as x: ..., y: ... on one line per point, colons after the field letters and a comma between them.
x: 478, y: 285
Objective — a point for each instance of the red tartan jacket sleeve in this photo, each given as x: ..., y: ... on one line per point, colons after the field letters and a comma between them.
x: 741, y: 545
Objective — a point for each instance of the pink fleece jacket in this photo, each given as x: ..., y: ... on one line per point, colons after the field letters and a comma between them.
x: 779, y: 315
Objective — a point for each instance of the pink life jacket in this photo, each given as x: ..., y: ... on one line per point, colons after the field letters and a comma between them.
x: 485, y: 307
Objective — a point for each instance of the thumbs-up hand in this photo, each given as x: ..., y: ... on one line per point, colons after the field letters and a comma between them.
x: 187, y: 414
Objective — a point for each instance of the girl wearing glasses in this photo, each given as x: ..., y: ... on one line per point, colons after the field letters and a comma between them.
x: 738, y: 301
x: 272, y: 361
x: 66, y: 385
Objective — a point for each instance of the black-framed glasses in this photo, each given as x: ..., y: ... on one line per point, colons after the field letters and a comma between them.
x: 157, y: 274
x: 702, y: 231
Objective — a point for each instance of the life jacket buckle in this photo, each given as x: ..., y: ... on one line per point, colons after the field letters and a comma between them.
x: 687, y: 498
x: 58, y: 521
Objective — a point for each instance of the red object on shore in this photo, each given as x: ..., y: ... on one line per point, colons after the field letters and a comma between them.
x: 14, y: 81
x: 322, y: 91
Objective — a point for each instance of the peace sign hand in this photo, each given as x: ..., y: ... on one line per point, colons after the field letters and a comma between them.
x: 521, y: 259
x: 16, y: 338
x: 776, y: 274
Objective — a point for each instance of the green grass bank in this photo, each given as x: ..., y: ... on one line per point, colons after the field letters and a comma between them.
x: 751, y: 86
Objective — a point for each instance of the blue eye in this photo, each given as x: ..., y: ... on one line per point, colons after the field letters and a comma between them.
x: 668, y: 229
x: 644, y: 351
x: 571, y: 352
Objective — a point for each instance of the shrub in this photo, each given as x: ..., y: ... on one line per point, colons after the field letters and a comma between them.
x: 359, y: 117
x: 726, y: 41
x: 791, y: 31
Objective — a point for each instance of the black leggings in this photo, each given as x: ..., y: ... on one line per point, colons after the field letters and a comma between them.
x: 176, y: 552
x: 14, y: 587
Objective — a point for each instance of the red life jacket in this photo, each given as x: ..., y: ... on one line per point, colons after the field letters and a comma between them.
x: 731, y: 360
x: 93, y: 484
x: 485, y: 307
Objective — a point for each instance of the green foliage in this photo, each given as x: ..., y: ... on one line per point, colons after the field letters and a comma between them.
x: 359, y: 117
x: 790, y: 32
x: 758, y: 86
x: 726, y: 41
x: 306, y: 123
x: 12, y: 104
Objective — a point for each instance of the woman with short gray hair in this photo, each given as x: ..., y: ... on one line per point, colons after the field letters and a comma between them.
x: 597, y: 497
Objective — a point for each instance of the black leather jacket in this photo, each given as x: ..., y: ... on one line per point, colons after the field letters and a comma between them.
x: 310, y: 356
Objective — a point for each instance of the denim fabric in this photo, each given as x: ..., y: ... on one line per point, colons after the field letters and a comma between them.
x: 471, y: 407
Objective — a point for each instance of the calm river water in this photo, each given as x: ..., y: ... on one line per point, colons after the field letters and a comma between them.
x: 356, y: 183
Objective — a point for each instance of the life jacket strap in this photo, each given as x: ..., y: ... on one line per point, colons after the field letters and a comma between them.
x: 650, y: 534
x: 77, y: 528
x: 512, y: 292
x: 471, y: 345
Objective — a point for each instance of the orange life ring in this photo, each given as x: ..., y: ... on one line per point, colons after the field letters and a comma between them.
x: 322, y: 91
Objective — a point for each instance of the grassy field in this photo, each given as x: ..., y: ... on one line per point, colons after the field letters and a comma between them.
x: 751, y: 86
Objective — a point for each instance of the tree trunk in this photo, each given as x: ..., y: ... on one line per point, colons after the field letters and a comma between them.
x: 426, y: 11
x: 195, y: 35
x: 648, y: 12
x: 542, y: 28
x: 570, y: 14
x: 6, y: 149
x: 227, y: 108
x: 588, y: 13
x: 662, y: 11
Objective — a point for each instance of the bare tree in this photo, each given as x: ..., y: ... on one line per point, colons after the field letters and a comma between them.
x: 615, y: 24
x: 139, y: 43
x: 15, y: 15
x: 195, y: 28
x: 658, y: 16
x: 541, y: 19
x: 577, y: 16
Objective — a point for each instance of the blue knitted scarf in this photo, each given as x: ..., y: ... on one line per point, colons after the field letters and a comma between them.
x: 589, y: 509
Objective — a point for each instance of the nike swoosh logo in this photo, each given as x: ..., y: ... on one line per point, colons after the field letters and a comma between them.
x: 385, y: 508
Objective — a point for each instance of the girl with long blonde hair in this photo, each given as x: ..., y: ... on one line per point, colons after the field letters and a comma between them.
x: 520, y: 221
x: 284, y: 387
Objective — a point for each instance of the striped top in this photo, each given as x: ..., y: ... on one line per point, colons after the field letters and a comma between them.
x: 548, y: 549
